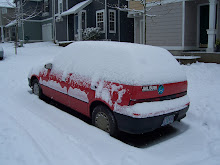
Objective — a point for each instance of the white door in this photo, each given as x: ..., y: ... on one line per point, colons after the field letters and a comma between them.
x: 47, y: 32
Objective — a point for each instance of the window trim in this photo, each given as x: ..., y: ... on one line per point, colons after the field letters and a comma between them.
x: 109, y: 21
x: 4, y: 10
x: 101, y: 11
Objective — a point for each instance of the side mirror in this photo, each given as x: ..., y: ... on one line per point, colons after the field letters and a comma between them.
x: 48, y: 66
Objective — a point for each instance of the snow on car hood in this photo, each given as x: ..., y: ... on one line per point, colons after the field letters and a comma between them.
x: 127, y: 63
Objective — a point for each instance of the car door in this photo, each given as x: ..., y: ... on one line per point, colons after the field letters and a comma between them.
x: 57, y: 87
x: 43, y: 80
x: 78, y: 92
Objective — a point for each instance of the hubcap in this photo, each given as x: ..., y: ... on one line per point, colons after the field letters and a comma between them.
x: 102, y: 121
x: 36, y: 89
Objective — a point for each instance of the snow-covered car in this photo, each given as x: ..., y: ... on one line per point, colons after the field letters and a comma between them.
x: 1, y: 53
x: 121, y: 86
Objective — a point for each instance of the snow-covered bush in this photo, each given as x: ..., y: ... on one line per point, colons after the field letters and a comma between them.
x: 91, y: 33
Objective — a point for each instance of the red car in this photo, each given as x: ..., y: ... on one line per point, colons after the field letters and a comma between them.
x: 120, y: 86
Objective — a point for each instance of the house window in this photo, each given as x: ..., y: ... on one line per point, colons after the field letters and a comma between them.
x: 100, y: 20
x: 112, y: 21
x: 4, y: 10
x: 60, y: 6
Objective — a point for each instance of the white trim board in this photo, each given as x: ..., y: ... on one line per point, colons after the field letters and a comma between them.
x: 44, y: 20
x: 179, y: 47
x: 164, y: 2
x: 37, y: 41
x: 109, y: 21
x: 183, y: 22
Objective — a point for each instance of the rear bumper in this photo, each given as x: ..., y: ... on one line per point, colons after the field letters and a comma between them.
x: 142, y: 125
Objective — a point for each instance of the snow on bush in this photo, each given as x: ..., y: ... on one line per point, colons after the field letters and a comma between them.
x: 92, y: 33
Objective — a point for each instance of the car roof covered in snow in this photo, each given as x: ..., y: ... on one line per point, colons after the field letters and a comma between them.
x: 127, y: 63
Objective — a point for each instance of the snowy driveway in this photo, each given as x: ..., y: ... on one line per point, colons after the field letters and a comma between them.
x: 35, y: 132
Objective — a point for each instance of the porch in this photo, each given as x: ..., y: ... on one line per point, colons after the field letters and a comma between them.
x: 183, y: 25
x: 190, y: 57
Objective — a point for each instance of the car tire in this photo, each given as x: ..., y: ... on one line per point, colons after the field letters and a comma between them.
x: 103, y: 118
x: 36, y: 89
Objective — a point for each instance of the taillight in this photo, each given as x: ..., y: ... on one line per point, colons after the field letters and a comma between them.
x: 132, y: 102
x: 169, y: 97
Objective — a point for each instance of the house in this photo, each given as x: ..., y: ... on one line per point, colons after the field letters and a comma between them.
x: 65, y: 20
x: 177, y: 24
x: 34, y: 20
x: 72, y: 17
x: 6, y: 10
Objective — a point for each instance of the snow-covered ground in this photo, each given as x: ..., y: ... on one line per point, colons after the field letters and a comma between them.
x: 35, y: 132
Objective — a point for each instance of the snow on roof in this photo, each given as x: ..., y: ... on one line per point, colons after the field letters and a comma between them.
x: 7, y: 4
x: 126, y: 63
x: 12, y: 23
x: 75, y: 9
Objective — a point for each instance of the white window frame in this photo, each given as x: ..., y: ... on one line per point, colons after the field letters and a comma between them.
x: 110, y: 21
x: 4, y: 10
x: 97, y: 12
x: 60, y: 6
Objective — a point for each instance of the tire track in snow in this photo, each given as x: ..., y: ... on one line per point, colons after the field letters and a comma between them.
x: 82, y: 148
x: 47, y: 126
x: 37, y: 146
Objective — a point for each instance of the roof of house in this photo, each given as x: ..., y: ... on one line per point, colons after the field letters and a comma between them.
x: 12, y: 23
x: 75, y: 9
x: 7, y: 4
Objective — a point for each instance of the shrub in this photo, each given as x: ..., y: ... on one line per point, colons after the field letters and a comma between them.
x: 91, y: 33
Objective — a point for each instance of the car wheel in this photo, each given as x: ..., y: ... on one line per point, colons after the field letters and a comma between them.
x: 36, y: 89
x: 104, y: 119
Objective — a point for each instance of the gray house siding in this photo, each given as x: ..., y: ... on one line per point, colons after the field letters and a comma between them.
x: 166, y: 28
x: 61, y: 32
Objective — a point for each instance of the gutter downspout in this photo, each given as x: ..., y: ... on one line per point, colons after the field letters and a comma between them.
x: 183, y: 23
x: 1, y: 25
x: 144, y: 23
x: 54, y: 24
x: 80, y: 26
x: 22, y: 21
x: 106, y: 30
x: 67, y: 22
x: 119, y: 23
